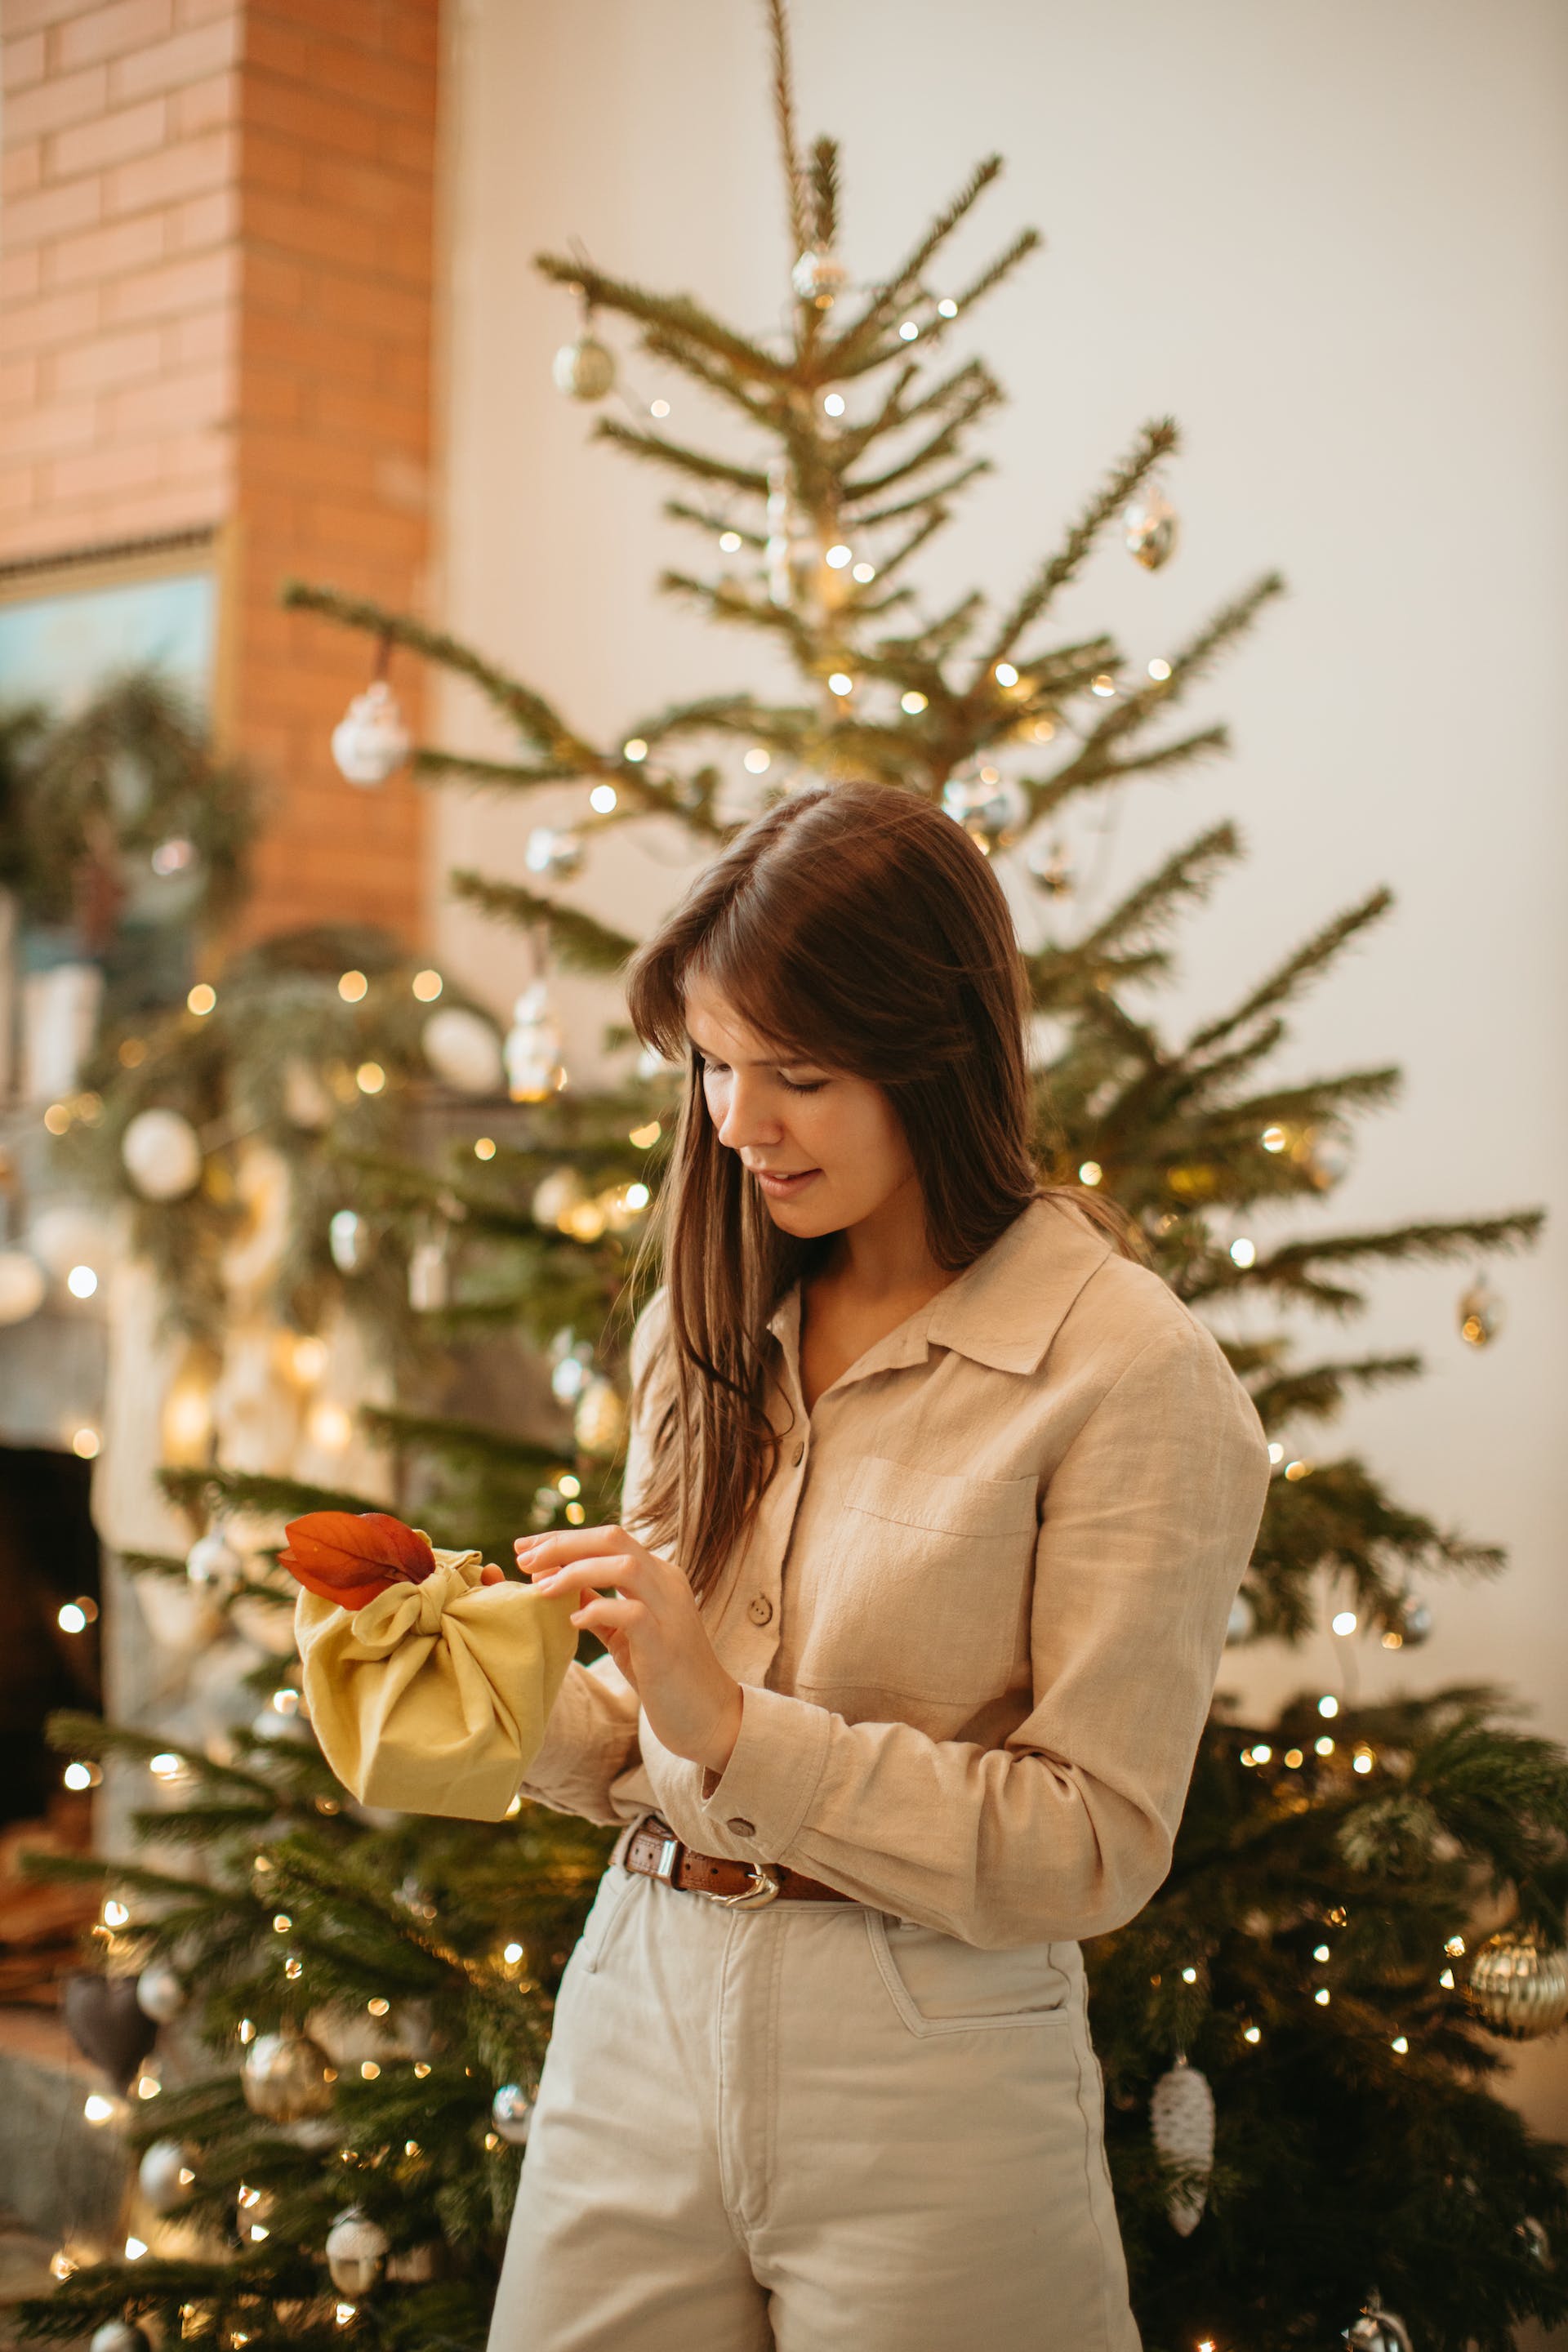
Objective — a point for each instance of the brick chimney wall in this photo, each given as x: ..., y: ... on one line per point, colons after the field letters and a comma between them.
x: 216, y: 311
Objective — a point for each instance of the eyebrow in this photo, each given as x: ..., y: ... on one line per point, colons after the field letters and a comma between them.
x: 760, y: 1061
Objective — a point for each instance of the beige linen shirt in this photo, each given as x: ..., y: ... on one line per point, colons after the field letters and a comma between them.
x: 978, y: 1613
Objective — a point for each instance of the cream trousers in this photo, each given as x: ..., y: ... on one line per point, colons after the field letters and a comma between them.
x: 816, y: 2127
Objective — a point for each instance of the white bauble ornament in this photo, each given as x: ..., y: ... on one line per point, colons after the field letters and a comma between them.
x: 817, y: 278
x: 1181, y: 2116
x: 600, y: 1418
x: 1377, y: 2330
x: 1243, y: 1620
x: 556, y: 1196
x: 994, y: 808
x: 285, y: 2077
x: 555, y: 854
x: 534, y: 1067
x: 371, y: 742
x: 163, y: 2175
x: 213, y: 1564
x: 23, y: 1286
x: 68, y: 1235
x: 429, y: 1276
x: 1150, y: 524
x: 120, y: 2336
x: 570, y: 1376
x: 463, y: 1048
x: 356, y: 2248
x: 1414, y: 1622
x: 583, y: 370
x: 160, y: 1995
x: 163, y: 1155
x: 511, y: 2112
x: 307, y: 1104
x: 348, y: 1239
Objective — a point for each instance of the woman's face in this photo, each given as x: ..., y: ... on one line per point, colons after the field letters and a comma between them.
x: 838, y: 1134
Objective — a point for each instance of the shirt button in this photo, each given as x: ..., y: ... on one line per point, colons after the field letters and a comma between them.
x: 760, y: 1610
x: 741, y: 1828
x: 795, y: 1457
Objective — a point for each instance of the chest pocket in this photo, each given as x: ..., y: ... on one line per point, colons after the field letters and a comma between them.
x: 926, y: 1588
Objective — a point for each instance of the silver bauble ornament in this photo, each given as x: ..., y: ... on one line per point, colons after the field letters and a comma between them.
x: 1050, y: 871
x: 120, y: 2336
x: 462, y: 1048
x: 583, y: 370
x: 818, y: 278
x: 1181, y: 2117
x: 163, y: 2175
x: 555, y: 854
x: 1414, y: 1622
x: 285, y: 2077
x: 511, y: 2112
x: 1242, y: 1622
x: 534, y: 1067
x: 159, y: 1993
x: 600, y: 1418
x: 1377, y: 2330
x: 990, y: 805
x: 370, y: 742
x: 1151, y: 527
x: 1536, y: 2242
x: 348, y: 1239
x: 1519, y: 1986
x: 23, y: 1286
x: 1482, y: 1314
x: 356, y: 2248
x: 213, y: 1564
x: 162, y: 1154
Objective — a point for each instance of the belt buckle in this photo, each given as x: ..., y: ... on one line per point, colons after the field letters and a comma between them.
x: 764, y: 1889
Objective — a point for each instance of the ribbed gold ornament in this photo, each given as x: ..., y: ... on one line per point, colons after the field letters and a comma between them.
x: 1519, y: 1986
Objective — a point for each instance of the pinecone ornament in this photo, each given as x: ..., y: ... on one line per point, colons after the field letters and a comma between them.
x: 1181, y: 2117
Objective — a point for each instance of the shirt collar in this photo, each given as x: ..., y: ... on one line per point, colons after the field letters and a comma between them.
x: 1005, y: 1306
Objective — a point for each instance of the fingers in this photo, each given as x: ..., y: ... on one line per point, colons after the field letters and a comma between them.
x: 606, y: 1617
x: 562, y: 1544
x: 491, y: 1574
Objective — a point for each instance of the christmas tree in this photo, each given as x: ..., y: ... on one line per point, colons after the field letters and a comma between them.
x: 1298, y: 2033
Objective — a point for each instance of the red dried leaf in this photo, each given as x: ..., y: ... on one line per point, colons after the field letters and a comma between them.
x: 350, y: 1556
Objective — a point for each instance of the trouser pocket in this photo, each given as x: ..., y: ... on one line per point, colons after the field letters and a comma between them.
x: 938, y: 1984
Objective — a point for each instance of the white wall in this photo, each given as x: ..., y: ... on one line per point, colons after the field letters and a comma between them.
x: 1331, y: 242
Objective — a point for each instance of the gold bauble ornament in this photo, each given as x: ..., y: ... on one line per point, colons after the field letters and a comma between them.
x: 1519, y: 1986
x: 600, y: 1418
x: 1151, y: 527
x: 286, y: 2077
x: 1480, y: 1314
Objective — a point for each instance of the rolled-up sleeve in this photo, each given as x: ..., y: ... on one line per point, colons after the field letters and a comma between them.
x: 592, y: 1736
x: 1067, y: 1829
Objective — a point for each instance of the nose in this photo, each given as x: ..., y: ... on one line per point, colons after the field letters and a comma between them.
x: 745, y: 1121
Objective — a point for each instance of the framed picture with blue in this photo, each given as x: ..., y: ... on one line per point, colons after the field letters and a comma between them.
x: 122, y: 826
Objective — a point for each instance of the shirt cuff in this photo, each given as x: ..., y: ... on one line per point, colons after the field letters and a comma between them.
x: 766, y: 1788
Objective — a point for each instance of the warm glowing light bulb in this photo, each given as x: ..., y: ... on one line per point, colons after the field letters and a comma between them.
x: 659, y: 408
x: 863, y: 572
x: 71, y: 1617
x: 511, y: 1954
x: 166, y: 1766
x: 1090, y: 1172
x: 914, y: 702
x: 1324, y: 1746
x: 77, y: 1776
x: 841, y: 683
x: 85, y: 1445
x: 81, y: 1282
x: 484, y: 1148
x: 837, y: 558
x: 115, y: 1914
x: 1328, y: 1704
x: 426, y: 986
x: 370, y: 1077
x: 1345, y: 1620
x: 947, y: 308
x: 1322, y: 1996
x: 635, y: 750
x: 833, y: 402
x: 202, y: 998
x: 1243, y: 1252
x: 909, y: 331
x: 730, y: 540
x: 351, y: 987
x: 757, y: 760
x: 1004, y: 674
x: 97, y: 2109
x: 1159, y: 669
x: 1252, y: 2035
x: 602, y: 799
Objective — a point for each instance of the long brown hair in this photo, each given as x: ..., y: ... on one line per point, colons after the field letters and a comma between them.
x: 855, y: 926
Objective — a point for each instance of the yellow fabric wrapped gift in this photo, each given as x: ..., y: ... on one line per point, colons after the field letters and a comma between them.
x: 432, y: 1698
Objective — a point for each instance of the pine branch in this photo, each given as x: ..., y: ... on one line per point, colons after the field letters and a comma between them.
x: 508, y: 775
x: 1308, y: 962
x: 676, y: 313
x: 929, y: 498
x: 581, y: 941
x: 528, y: 711
x: 825, y: 195
x: 783, y: 113
x: 1317, y: 1391
x: 1156, y: 441
x: 941, y: 445
x: 660, y: 451
x: 463, y: 1440
x: 209, y: 1490
x: 845, y: 355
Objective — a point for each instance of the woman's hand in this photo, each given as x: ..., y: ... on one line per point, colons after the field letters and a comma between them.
x: 649, y: 1623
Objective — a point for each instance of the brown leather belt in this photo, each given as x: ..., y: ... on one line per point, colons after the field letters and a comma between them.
x: 654, y: 1849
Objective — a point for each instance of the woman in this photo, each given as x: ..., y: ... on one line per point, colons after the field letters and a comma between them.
x: 944, y: 1498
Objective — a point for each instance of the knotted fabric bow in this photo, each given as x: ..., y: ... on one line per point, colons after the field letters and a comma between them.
x: 428, y: 1690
